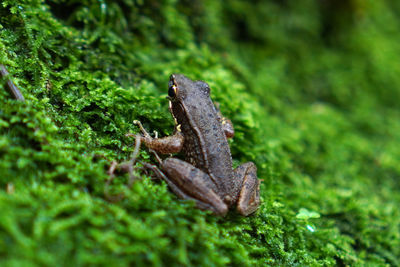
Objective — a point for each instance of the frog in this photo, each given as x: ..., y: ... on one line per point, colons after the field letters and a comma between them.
x: 205, y: 174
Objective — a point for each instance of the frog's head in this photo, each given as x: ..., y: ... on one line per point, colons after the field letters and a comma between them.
x: 186, y: 97
x: 181, y: 87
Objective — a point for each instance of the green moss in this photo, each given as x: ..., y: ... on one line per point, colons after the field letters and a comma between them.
x: 312, y: 89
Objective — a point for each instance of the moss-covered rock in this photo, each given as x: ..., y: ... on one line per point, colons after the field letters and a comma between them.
x: 312, y: 89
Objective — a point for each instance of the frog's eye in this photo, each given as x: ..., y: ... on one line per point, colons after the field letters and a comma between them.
x: 172, y: 89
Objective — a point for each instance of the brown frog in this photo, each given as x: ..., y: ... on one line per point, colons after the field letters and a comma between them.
x: 201, y: 133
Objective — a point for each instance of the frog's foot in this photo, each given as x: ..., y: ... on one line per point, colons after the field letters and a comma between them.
x: 11, y: 86
x: 249, y: 195
x: 188, y: 182
x: 142, y: 129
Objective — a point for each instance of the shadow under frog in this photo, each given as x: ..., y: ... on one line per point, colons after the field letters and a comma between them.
x: 206, y: 176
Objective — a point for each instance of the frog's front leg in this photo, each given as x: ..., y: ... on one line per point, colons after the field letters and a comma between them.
x: 226, y: 123
x: 249, y: 194
x: 189, y: 182
x: 227, y: 126
x: 165, y: 145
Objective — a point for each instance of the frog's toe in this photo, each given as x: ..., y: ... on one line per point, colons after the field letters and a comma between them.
x: 247, y: 206
x: 249, y: 196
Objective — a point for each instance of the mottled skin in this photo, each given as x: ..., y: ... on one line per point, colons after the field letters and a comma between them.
x: 201, y: 133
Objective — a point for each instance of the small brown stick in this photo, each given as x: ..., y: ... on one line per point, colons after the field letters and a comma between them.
x: 126, y: 167
x: 133, y: 178
x: 11, y: 86
x: 10, y: 188
x: 112, y: 198
x: 160, y: 175
x: 156, y: 155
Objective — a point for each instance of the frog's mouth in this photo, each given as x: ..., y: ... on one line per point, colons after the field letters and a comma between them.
x: 171, y: 111
x: 172, y: 90
x: 177, y: 110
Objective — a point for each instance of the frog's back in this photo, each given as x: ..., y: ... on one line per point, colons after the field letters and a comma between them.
x: 206, y: 145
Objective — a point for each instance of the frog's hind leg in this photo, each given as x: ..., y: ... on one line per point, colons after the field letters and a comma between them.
x: 249, y: 195
x: 188, y: 182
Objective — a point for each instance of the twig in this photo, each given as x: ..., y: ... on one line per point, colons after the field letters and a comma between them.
x: 127, y: 167
x: 11, y: 86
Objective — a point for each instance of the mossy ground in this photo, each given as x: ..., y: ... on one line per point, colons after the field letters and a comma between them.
x: 313, y: 90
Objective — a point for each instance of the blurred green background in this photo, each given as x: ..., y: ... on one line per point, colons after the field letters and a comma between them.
x: 312, y: 88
